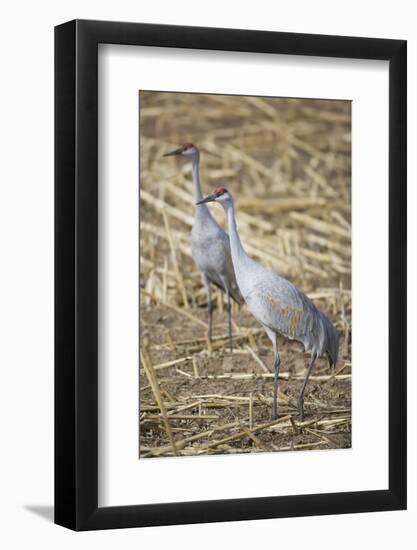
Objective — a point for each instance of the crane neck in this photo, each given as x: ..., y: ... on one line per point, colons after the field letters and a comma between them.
x: 195, y: 163
x: 237, y: 250
x: 202, y: 212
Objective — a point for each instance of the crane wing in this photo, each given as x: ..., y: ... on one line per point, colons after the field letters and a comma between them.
x: 286, y: 310
x: 282, y: 307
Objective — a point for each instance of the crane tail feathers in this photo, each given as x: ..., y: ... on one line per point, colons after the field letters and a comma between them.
x: 331, y: 344
x: 234, y: 293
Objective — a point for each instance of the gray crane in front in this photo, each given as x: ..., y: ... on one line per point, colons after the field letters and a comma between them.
x: 210, y: 246
x: 277, y: 304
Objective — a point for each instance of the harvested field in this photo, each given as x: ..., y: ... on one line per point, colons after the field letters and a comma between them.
x: 287, y: 162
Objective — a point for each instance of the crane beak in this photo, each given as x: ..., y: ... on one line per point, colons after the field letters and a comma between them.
x: 209, y: 198
x: 172, y: 153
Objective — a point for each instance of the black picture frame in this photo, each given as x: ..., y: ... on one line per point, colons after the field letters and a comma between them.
x: 76, y: 272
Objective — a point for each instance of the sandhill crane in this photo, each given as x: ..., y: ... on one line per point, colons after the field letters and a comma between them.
x: 210, y: 246
x: 277, y: 304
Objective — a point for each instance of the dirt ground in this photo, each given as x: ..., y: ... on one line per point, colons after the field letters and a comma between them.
x: 220, y: 401
x: 197, y: 398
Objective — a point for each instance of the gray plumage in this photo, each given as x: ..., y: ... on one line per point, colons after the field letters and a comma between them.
x: 282, y: 308
x: 210, y: 246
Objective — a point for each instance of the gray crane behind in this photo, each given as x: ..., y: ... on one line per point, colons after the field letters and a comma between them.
x: 210, y: 246
x: 277, y: 304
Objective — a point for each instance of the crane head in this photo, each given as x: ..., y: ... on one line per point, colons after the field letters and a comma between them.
x: 220, y: 194
x: 186, y: 149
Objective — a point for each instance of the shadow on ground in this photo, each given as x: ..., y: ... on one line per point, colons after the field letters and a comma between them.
x: 45, y: 512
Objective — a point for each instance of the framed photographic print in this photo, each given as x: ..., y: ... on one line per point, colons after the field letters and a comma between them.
x: 230, y: 275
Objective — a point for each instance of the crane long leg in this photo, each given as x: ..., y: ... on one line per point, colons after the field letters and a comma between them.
x: 301, y: 398
x: 229, y: 313
x: 206, y: 283
x: 277, y: 364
